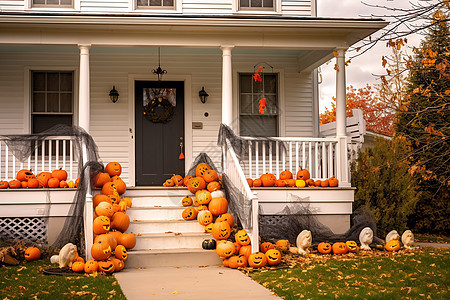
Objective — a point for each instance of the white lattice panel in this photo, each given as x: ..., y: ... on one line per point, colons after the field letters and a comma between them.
x: 25, y: 229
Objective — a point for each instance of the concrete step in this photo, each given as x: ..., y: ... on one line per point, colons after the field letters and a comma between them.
x: 143, y: 201
x: 172, y: 258
x: 155, y: 213
x: 156, y: 191
x: 158, y: 226
x: 171, y: 240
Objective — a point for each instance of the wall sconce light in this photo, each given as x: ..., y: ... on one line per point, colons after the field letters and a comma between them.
x: 203, y: 95
x: 113, y: 94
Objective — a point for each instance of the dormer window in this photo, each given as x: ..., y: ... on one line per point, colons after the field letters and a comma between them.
x: 52, y: 3
x: 256, y: 4
x: 155, y: 4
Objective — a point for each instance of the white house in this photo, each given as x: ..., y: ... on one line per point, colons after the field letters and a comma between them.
x: 59, y: 60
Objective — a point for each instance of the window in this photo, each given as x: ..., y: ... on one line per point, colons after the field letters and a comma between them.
x: 153, y: 4
x: 52, y: 3
x: 51, y: 99
x: 256, y: 4
x: 251, y: 122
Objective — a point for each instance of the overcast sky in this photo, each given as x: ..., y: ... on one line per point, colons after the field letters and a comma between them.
x: 362, y: 69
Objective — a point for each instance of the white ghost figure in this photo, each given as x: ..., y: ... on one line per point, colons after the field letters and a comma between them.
x: 304, y: 240
x: 67, y: 255
x: 408, y: 239
x: 365, y: 238
x: 54, y: 259
x: 392, y: 235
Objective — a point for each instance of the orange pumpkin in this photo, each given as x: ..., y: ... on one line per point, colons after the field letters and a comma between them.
x: 310, y: 182
x: 104, y: 209
x: 273, y: 257
x: 282, y: 245
x: 120, y: 221
x: 201, y: 169
x: 392, y: 245
x: 63, y: 184
x: 114, y: 199
x: 90, y: 267
x: 32, y: 253
x: 303, y: 174
x: 53, y: 183
x: 195, y: 184
x: 15, y: 184
x: 116, y: 234
x: 237, y: 261
x: 268, y: 180
x: 241, y: 237
x: 128, y: 240
x: 225, y: 249
x: 333, y: 182
x: 168, y: 183
x: 317, y: 183
x: 257, y: 182
x: 226, y: 217
x: 325, y: 183
x: 339, y: 248
x: 100, y: 179
x: 221, y: 230
x: 204, y: 217
x: 60, y: 174
x: 257, y: 260
x: 186, y: 179
x: 324, y: 248
x: 210, y: 176
x: 4, y: 184
x: 113, y: 169
x: 285, y: 175
x: 120, y: 185
x: 121, y: 252
x: 177, y: 180
x: 33, y: 183
x: 281, y: 183
x: 118, y: 264
x: 250, y: 182
x: 201, y: 208
x: 213, y: 186
x: 237, y: 247
x: 266, y: 246
x: 245, y: 250
x: 43, y: 178
x: 97, y: 199
x: 208, y: 228
x: 100, y: 250
x: 24, y: 184
x: 351, y: 246
x: 106, y: 238
x: 218, y: 206
x: 101, y: 225
x: 78, y: 266
x: 204, y: 197
x: 109, y: 188
x: 187, y: 201
x: 290, y: 182
x: 25, y: 175
x: 106, y: 266
x: 190, y: 213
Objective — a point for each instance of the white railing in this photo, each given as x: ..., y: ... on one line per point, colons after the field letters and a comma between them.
x: 233, y: 169
x: 274, y: 155
x: 54, y: 152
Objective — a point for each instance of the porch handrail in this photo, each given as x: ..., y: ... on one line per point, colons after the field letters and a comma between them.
x: 233, y: 169
x: 54, y: 152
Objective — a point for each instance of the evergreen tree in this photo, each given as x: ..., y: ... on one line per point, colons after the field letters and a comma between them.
x: 424, y: 121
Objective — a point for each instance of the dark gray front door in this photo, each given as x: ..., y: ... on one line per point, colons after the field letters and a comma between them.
x: 158, y: 143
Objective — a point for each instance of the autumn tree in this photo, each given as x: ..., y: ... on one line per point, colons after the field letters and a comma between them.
x: 424, y: 121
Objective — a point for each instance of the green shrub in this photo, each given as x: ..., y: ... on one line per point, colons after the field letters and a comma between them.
x: 380, y: 175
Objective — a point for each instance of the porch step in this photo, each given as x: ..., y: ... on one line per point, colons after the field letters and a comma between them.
x: 155, y: 213
x: 170, y: 240
x: 172, y: 258
x: 158, y: 226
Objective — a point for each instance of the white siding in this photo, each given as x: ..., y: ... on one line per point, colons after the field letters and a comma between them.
x: 11, y: 4
x: 296, y: 7
x: 110, y: 122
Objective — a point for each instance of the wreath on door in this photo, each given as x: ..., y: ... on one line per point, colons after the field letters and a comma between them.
x: 159, y: 110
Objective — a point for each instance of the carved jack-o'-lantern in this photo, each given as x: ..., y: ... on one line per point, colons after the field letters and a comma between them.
x: 204, y: 217
x: 106, y: 266
x: 187, y: 201
x: 201, y: 169
x: 90, y: 266
x: 351, y: 246
x: 226, y: 217
x: 210, y: 176
x: 221, y: 230
x: 25, y: 175
x: 225, y: 248
x: 268, y: 179
x: 101, y: 225
x: 121, y: 252
x: 189, y: 213
x: 113, y: 169
x: 266, y: 246
x: 242, y: 237
x: 324, y: 248
x: 213, y: 186
x: 195, y: 184
x: 257, y: 260
x: 273, y: 257
x: 239, y: 261
x: 177, y: 180
x: 100, y: 250
x: 203, y: 197
x: 392, y: 245
x: 118, y: 264
x: 339, y: 248
x: 303, y: 174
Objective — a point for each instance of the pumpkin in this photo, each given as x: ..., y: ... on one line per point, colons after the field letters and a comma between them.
x: 118, y: 264
x: 120, y: 252
x: 190, y: 213
x: 209, y: 244
x: 339, y: 248
x: 226, y: 262
x: 333, y: 181
x: 282, y: 245
x: 221, y: 230
x: 97, y: 199
x: 116, y: 234
x: 226, y: 217
x: 242, y: 238
x: 351, y: 246
x: 273, y: 257
x: 113, y: 169
x: 225, y: 249
x: 303, y: 174
x: 60, y: 174
x: 300, y: 183
x: 317, y: 183
x: 109, y: 189
x: 309, y: 182
x: 257, y: 182
x: 114, y: 199
x: 63, y: 184
x: 32, y: 253
x: 218, y: 194
x: 213, y: 186
x: 127, y: 201
x: 100, y: 179
x: 78, y: 266
x: 71, y: 184
x: 101, y: 225
x: 104, y: 209
x: 77, y: 181
x: 106, y: 266
x: 204, y: 217
x: 200, y: 208
x: 250, y: 182
x: 120, y: 221
x: 43, y: 178
x: 245, y: 250
x: 90, y: 267
x: 290, y: 182
x: 53, y: 183
x: 4, y: 184
x: 100, y: 250
x: 195, y: 184
x: 218, y: 206
x: 177, y: 180
x: 204, y: 197
x: 268, y: 180
x: 266, y: 246
x: 120, y: 185
x: 324, y: 248
x: 107, y: 238
x: 325, y: 183
x: 25, y: 175
x: 208, y: 228
x: 257, y: 260
x: 186, y: 179
x: 33, y: 183
x: 186, y: 201
x: 80, y: 259
x: 201, y: 169
x: 392, y: 245
x: 15, y: 184
x: 24, y: 184
x: 210, y: 176
x: 286, y: 175
x: 168, y: 183
x: 235, y: 262
x: 281, y: 183
x: 128, y: 240
x: 237, y: 247
x: 123, y: 206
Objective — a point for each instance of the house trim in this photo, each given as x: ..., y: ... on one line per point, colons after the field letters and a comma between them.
x: 188, y: 151
x: 28, y: 5
x: 257, y: 11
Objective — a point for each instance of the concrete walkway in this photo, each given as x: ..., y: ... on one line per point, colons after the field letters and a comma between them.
x: 190, y: 283
x: 433, y: 245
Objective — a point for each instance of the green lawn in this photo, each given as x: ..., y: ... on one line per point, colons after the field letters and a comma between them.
x: 431, y: 238
x: 420, y: 274
x: 26, y: 281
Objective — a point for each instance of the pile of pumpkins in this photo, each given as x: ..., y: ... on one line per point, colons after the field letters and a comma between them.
x: 111, y: 243
x: 26, y: 179
x: 303, y: 179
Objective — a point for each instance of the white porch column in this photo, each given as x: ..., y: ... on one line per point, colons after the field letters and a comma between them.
x: 84, y: 114
x: 227, y: 86
x: 84, y: 96
x: 341, y: 120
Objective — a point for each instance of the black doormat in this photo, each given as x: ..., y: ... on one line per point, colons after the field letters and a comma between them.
x: 62, y: 272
